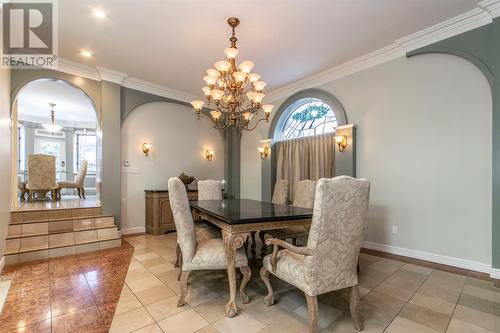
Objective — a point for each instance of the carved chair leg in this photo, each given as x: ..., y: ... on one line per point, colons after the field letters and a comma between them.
x: 263, y: 248
x: 264, y: 275
x: 246, y: 247
x: 253, y: 245
x: 358, y: 269
x: 247, y: 274
x: 79, y: 192
x: 83, y: 193
x: 294, y: 241
x: 354, y: 304
x: 312, y: 309
x: 178, y: 254
x: 183, y: 283
x: 30, y: 196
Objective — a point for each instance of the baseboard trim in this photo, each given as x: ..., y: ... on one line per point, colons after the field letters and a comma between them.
x: 2, y: 264
x: 435, y: 258
x: 136, y: 230
x: 495, y: 273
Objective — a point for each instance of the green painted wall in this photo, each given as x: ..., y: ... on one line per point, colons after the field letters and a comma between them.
x: 481, y: 46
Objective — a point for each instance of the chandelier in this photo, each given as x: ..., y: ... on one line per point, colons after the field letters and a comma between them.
x: 233, y: 93
x: 52, y: 127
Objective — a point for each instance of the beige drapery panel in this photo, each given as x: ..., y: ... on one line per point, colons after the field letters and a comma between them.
x: 305, y: 158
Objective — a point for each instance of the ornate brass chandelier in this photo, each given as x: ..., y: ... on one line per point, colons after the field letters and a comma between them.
x: 233, y: 93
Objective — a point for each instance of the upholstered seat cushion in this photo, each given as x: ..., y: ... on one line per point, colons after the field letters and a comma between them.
x: 211, y: 254
x: 288, y: 233
x: 21, y: 185
x: 68, y: 185
x: 290, y: 267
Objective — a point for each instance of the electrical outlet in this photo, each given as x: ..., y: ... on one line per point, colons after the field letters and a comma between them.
x: 394, y: 229
x: 124, y: 201
x: 126, y: 163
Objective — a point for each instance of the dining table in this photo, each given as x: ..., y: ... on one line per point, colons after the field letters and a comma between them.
x: 237, y: 218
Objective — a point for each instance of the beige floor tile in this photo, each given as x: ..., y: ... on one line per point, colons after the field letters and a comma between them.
x: 326, y: 314
x: 153, y: 328
x: 406, y: 279
x: 374, y: 321
x: 387, y: 266
x: 459, y: 326
x: 154, y: 294
x: 174, y: 286
x: 242, y: 323
x: 446, y: 280
x: 487, y: 294
x: 433, y: 303
x: 417, y: 269
x: 276, y: 314
x: 439, y: 292
x: 198, y: 294
x: 207, y: 329
x: 426, y: 317
x: 146, y: 256
x: 161, y: 268
x: 290, y: 299
x: 154, y: 262
x: 165, y: 308
x: 131, y: 321
x: 185, y: 322
x: 480, y: 304
x: 402, y: 325
x: 384, y: 302
x: 481, y: 284
x: 127, y: 301
x: 138, y: 274
x: 478, y: 318
x: 396, y: 292
x: 212, y: 310
x: 168, y: 277
x: 144, y: 283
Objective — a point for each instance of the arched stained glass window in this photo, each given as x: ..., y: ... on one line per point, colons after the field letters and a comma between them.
x: 306, y: 117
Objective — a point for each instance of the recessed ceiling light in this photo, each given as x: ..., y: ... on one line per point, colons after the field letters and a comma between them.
x: 86, y: 53
x: 99, y: 14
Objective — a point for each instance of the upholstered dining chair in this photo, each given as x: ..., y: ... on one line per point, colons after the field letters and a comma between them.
x: 21, y: 186
x: 207, y: 190
x: 207, y: 254
x: 304, y: 197
x: 79, y: 179
x: 41, y: 175
x: 328, y: 261
x: 280, y: 194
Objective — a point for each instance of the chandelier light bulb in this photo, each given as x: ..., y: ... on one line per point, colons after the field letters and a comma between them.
x: 258, y: 97
x: 210, y: 80
x: 206, y: 91
x: 246, y: 66
x: 215, y: 115
x: 197, y: 105
x: 267, y: 109
x: 222, y: 66
x: 253, y: 77
x: 259, y: 86
x: 217, y: 94
x: 212, y: 72
x: 250, y: 95
x: 247, y: 116
x: 239, y: 76
x: 231, y: 52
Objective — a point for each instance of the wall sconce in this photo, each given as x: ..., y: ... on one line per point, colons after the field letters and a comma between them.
x: 209, y: 154
x: 341, y: 141
x: 145, y: 148
x: 264, y: 152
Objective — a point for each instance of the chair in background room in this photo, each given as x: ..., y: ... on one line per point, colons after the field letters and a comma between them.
x: 207, y: 190
x: 41, y: 175
x: 304, y: 197
x: 207, y: 254
x: 78, y: 182
x: 328, y: 261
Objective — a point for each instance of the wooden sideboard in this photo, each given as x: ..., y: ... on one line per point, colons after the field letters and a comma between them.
x: 159, y: 218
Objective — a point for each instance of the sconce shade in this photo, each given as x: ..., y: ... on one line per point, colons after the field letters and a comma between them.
x: 341, y: 141
x: 209, y: 154
x: 145, y: 148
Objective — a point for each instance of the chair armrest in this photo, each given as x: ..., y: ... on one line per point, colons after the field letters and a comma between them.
x: 277, y: 243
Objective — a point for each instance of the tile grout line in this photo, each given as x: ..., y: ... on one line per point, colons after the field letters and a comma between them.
x: 456, y: 304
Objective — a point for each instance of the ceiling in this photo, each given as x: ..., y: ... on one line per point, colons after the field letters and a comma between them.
x: 172, y: 43
x: 73, y: 106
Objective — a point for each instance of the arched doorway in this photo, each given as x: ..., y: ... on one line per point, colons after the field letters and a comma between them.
x: 73, y: 139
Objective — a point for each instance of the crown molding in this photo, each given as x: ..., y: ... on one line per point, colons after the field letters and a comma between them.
x: 110, y: 75
x: 157, y: 90
x: 491, y: 6
x: 475, y: 18
x: 74, y: 68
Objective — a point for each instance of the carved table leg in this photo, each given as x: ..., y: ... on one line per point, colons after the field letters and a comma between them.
x: 231, y: 243
x: 263, y: 248
x: 253, y: 246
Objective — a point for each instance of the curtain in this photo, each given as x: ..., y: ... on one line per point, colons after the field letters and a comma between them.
x: 305, y: 158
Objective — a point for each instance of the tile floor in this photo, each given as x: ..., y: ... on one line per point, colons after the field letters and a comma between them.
x: 397, y: 297
x: 80, y: 294
x: 67, y: 294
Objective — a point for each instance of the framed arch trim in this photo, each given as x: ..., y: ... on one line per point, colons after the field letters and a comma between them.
x: 481, y: 47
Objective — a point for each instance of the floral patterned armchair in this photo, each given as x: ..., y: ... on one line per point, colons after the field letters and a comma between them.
x: 41, y: 175
x: 304, y: 197
x: 197, y: 254
x: 328, y: 261
x: 79, y: 179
